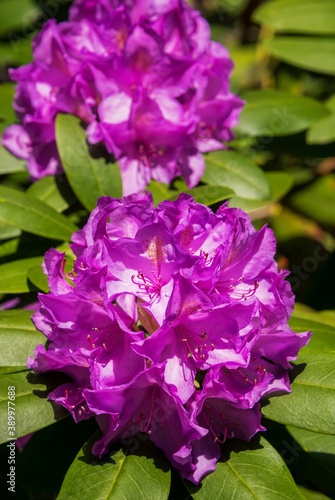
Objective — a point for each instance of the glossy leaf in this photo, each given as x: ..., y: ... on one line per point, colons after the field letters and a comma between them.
x: 18, y: 337
x: 236, y: 172
x: 32, y: 410
x: 317, y: 200
x: 89, y: 178
x: 315, y: 54
x: 310, y: 405
x: 298, y: 16
x: 33, y: 216
x: 321, y: 447
x: 275, y: 113
x: 52, y: 191
x: 143, y: 474
x: 322, y: 131
x: 14, y: 275
x: 247, y: 471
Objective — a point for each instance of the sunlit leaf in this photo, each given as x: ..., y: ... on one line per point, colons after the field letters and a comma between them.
x: 247, y: 471
x: 234, y: 171
x: 130, y: 472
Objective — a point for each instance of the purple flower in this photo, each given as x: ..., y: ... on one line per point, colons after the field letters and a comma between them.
x: 172, y: 323
x: 145, y: 79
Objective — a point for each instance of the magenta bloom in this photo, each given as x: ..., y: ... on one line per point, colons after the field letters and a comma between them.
x: 145, y: 79
x: 172, y: 323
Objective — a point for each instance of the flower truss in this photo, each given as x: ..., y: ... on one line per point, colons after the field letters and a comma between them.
x: 172, y: 323
x: 144, y: 78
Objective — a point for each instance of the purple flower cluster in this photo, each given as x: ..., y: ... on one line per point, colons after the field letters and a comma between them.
x: 173, y: 323
x: 145, y: 79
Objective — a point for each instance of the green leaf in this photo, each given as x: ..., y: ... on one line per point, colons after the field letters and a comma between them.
x: 160, y: 192
x: 298, y: 16
x: 317, y: 200
x: 10, y: 163
x: 206, y: 195
x: 38, y: 278
x: 321, y: 447
x: 9, y: 247
x: 18, y: 337
x: 312, y: 495
x: 33, y: 216
x: 247, y: 471
x: 270, y: 113
x: 53, y: 191
x: 17, y: 51
x: 322, y: 131
x: 32, y: 410
x: 89, y: 178
x: 310, y: 405
x: 7, y: 92
x: 17, y: 14
x: 280, y: 184
x: 315, y: 54
x: 7, y: 231
x: 14, y: 275
x: 143, y: 473
x: 236, y: 172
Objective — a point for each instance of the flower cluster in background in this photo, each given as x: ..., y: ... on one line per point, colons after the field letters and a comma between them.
x: 144, y: 78
x: 173, y: 323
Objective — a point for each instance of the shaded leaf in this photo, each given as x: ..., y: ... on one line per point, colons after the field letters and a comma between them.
x: 48, y: 190
x: 276, y: 113
x: 321, y: 447
x: 247, y: 471
x: 298, y: 16
x: 89, y: 178
x: 312, y: 495
x: 143, y: 474
x: 32, y: 410
x: 33, y: 216
x: 317, y: 200
x: 236, y: 172
x: 18, y: 337
x: 315, y: 54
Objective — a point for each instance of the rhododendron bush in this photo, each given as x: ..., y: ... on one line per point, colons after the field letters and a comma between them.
x: 166, y: 250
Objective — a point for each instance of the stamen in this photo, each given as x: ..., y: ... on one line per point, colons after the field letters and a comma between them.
x: 193, y: 343
x: 151, y: 286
